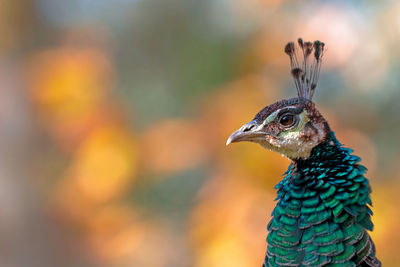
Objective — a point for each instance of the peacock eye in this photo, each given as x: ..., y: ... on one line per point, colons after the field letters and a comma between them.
x: 287, y: 120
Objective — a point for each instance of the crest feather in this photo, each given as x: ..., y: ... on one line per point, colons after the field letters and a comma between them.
x: 305, y: 73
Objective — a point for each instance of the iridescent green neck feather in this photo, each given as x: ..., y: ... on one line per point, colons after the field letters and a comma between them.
x: 322, y: 215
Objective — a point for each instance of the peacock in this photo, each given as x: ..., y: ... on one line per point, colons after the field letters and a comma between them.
x: 323, y: 215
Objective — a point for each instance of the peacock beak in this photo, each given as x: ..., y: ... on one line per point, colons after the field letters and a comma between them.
x: 248, y: 132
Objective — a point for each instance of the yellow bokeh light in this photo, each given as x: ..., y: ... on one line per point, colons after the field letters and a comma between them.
x: 105, y: 163
x: 69, y: 82
x: 230, y: 216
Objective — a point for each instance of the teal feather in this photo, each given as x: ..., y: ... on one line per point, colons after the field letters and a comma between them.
x: 323, y: 214
x: 347, y: 254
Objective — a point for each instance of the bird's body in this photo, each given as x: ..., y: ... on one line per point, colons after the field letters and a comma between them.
x: 323, y: 214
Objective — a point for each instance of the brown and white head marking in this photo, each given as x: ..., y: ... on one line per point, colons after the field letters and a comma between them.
x: 291, y: 127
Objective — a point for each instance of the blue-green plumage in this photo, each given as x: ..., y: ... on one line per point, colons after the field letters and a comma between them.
x: 322, y: 215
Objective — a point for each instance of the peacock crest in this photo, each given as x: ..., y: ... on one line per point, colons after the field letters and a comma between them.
x: 305, y: 72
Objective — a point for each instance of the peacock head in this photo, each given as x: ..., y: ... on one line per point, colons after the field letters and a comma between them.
x: 291, y: 127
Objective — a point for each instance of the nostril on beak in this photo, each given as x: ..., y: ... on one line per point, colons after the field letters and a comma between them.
x: 248, y: 127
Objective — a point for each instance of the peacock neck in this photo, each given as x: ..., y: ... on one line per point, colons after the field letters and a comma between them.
x: 322, y: 209
x: 329, y: 163
x: 330, y: 173
x: 326, y: 155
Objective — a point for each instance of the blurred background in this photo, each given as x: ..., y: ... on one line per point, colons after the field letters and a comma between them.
x: 114, y: 117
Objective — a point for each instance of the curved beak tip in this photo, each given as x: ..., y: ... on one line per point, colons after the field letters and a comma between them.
x: 241, y: 135
x: 229, y: 140
x: 234, y: 137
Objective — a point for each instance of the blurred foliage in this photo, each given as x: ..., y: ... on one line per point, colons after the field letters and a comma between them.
x: 116, y: 113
